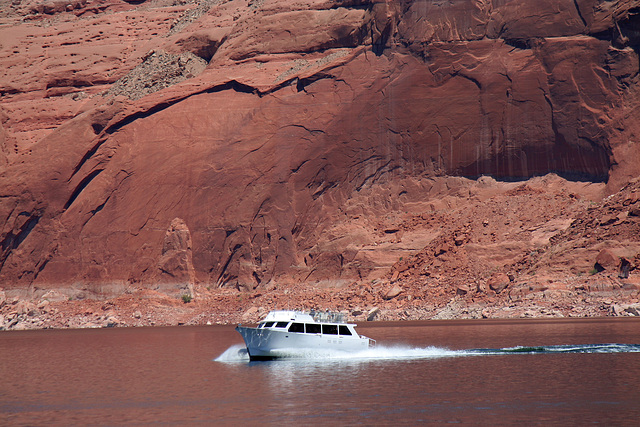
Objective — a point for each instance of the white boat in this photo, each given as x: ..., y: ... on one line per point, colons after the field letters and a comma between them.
x: 296, y: 334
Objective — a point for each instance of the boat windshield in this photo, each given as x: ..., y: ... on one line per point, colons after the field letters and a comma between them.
x: 344, y: 330
x: 268, y: 324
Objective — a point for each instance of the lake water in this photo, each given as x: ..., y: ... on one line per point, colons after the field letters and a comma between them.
x: 439, y: 372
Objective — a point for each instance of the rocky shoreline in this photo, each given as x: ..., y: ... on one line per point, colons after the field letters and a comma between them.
x: 591, y: 297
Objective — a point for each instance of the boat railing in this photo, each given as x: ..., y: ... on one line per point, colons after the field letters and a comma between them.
x: 327, y: 316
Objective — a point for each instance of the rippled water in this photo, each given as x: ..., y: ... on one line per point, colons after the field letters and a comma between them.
x: 478, y: 372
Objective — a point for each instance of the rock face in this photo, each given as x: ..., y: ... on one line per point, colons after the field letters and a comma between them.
x: 281, y: 132
x: 175, y: 266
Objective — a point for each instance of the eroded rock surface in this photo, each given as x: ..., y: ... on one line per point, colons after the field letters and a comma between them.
x: 285, y: 134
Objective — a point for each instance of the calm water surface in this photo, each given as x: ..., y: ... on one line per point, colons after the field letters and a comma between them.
x: 421, y: 372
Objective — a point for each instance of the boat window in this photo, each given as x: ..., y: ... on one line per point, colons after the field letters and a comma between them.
x: 282, y: 324
x: 313, y: 328
x: 344, y: 330
x: 297, y: 327
x: 330, y: 329
x: 268, y: 324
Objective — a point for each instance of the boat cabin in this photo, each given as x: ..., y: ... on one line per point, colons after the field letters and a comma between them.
x: 309, y: 328
x: 307, y: 323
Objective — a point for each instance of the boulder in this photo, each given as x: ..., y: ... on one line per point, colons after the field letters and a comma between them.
x: 25, y: 308
x: 605, y: 260
x: 616, y: 310
x: 395, y: 276
x: 462, y: 289
x: 111, y: 321
x: 538, y: 287
x: 393, y: 292
x: 371, y: 314
x: 632, y: 309
x: 498, y: 282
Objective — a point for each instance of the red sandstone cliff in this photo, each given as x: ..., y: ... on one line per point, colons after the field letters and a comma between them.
x: 243, y: 143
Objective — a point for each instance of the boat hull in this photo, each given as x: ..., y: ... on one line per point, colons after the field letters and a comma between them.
x: 269, y: 344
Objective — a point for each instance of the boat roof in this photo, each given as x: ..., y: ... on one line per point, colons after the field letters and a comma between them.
x: 300, y: 316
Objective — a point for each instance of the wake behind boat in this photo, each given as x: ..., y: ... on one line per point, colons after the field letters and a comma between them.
x: 282, y: 333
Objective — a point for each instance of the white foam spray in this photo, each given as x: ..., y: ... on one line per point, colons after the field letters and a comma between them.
x: 235, y: 353
x: 238, y: 353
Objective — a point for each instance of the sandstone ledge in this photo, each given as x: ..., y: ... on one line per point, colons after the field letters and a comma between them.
x: 591, y: 297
